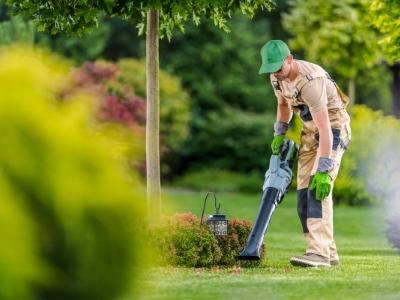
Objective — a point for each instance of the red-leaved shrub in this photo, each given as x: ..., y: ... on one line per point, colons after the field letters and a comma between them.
x: 118, y: 102
x: 119, y: 91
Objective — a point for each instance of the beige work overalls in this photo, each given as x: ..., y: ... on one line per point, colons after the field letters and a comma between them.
x: 316, y: 216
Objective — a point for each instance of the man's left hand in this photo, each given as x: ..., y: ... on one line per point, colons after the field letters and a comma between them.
x: 322, y: 184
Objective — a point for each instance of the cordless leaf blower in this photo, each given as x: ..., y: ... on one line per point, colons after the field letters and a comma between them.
x: 277, y: 181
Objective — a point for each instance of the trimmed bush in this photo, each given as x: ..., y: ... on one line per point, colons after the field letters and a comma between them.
x: 232, y: 244
x: 70, y: 211
x: 182, y: 241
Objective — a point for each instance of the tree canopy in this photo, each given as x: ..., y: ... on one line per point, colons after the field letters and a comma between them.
x: 76, y: 16
x: 385, y: 16
x: 79, y: 15
x: 333, y: 33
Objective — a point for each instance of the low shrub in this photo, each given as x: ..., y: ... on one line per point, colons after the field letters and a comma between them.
x: 232, y: 244
x: 70, y: 212
x: 221, y: 181
x: 182, y: 241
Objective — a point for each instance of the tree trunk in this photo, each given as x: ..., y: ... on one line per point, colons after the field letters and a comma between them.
x: 351, y: 91
x: 152, y: 117
x: 396, y: 89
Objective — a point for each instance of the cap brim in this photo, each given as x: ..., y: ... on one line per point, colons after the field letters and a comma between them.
x: 270, y: 68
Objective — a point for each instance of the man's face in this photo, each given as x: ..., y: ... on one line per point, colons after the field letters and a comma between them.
x: 283, y: 72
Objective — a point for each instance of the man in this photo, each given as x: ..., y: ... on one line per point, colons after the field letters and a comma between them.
x: 308, y: 90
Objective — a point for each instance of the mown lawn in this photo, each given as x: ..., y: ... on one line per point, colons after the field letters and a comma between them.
x: 369, y: 268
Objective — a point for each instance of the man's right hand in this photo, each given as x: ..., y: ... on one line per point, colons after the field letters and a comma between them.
x: 277, y: 143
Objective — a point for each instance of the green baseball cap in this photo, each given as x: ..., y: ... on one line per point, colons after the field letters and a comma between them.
x: 273, y: 53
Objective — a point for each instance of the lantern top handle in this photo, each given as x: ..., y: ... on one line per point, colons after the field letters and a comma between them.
x: 217, y: 207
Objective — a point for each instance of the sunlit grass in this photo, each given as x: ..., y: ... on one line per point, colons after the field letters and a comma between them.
x: 369, y: 268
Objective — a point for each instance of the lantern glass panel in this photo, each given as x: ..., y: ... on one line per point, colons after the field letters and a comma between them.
x: 218, y: 224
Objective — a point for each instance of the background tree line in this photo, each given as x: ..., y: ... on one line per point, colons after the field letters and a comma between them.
x: 232, y: 107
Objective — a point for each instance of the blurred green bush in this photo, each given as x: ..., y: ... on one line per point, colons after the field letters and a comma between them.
x: 70, y: 211
x: 15, y: 29
x: 364, y: 176
x: 182, y: 241
x: 20, y: 265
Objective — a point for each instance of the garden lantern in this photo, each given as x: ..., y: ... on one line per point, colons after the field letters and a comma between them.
x: 216, y: 223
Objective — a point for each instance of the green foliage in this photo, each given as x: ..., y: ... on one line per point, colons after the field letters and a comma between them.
x: 333, y: 34
x: 182, y: 241
x: 220, y: 73
x: 220, y: 181
x: 70, y: 212
x: 123, y: 40
x: 16, y: 30
x: 373, y: 88
x: 20, y: 266
x: 232, y: 244
x: 233, y: 140
x: 385, y: 16
x: 369, y: 267
x: 221, y: 69
x: 80, y: 15
x: 368, y: 172
x: 349, y: 187
x: 89, y: 46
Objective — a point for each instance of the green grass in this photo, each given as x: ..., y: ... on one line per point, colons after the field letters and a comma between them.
x: 369, y: 268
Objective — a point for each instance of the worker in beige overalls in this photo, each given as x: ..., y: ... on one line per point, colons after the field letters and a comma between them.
x: 308, y: 90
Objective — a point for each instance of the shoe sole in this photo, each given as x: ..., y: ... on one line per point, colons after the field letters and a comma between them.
x: 307, y: 263
x: 334, y: 262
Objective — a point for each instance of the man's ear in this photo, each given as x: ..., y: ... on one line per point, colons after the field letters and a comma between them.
x: 290, y: 58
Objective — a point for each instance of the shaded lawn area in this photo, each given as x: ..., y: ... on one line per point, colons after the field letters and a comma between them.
x: 369, y: 268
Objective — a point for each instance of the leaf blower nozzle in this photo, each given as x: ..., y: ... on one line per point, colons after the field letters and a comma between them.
x: 277, y: 181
